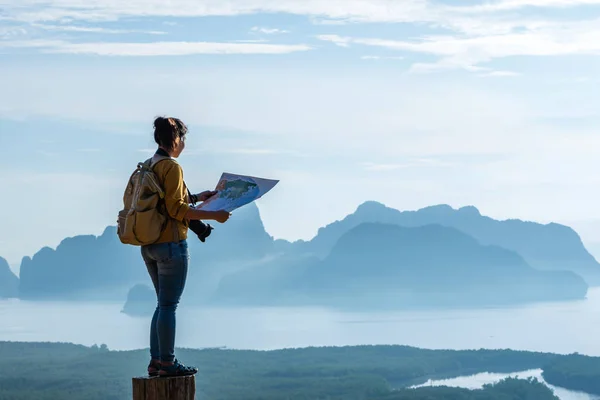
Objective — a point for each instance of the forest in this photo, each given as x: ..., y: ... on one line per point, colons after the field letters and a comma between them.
x: 47, y: 371
x: 576, y: 372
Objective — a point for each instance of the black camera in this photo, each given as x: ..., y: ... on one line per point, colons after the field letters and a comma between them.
x: 201, y: 229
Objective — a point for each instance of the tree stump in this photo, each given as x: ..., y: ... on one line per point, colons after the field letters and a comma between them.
x: 173, y: 388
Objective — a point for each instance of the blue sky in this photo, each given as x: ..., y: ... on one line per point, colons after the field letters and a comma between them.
x: 411, y: 103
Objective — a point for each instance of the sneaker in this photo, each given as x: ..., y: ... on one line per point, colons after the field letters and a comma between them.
x: 177, y: 369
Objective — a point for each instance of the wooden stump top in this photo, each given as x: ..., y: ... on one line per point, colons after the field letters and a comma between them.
x: 157, y: 388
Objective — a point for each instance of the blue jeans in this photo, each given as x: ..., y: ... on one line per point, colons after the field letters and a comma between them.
x: 167, y: 265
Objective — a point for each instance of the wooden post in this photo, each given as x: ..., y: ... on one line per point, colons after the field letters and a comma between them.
x: 174, y: 388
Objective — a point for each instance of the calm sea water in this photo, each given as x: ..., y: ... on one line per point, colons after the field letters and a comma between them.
x: 477, y: 381
x: 551, y: 327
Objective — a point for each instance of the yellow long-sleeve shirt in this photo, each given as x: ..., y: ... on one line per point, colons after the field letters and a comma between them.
x: 176, y: 201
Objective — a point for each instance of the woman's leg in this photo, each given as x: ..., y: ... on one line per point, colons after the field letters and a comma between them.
x: 152, y: 267
x: 172, y: 274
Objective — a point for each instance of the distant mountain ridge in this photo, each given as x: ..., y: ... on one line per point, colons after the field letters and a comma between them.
x: 80, y: 264
x: 386, y: 265
x: 375, y: 244
x: 103, y: 268
x: 9, y: 282
x: 547, y: 247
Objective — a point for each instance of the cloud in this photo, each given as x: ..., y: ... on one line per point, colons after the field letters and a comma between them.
x: 240, y: 151
x: 106, y: 10
x: 507, y: 5
x: 267, y: 31
x: 413, y: 163
x: 442, y: 65
x: 249, y: 151
x: 10, y: 32
x: 476, y: 33
x: 46, y: 153
x: 500, y: 74
x: 551, y: 39
x: 92, y: 29
x: 154, y: 48
x: 222, y: 148
x: 31, y: 43
x: 336, y: 39
x: 319, y: 11
x: 251, y: 41
x: 381, y: 58
x: 319, y: 21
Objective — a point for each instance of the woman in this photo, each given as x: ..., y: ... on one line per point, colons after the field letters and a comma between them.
x: 167, y: 259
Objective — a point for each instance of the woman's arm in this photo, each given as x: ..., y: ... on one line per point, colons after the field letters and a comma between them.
x: 219, y: 216
x: 176, y: 197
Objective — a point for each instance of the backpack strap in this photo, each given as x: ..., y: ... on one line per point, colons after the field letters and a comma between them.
x: 148, y: 166
x: 192, y: 197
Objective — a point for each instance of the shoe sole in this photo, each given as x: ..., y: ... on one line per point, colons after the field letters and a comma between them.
x: 175, y: 375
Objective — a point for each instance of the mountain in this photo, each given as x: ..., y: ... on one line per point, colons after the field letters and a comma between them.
x: 242, y: 237
x: 271, y: 282
x: 547, y: 247
x: 240, y: 262
x: 103, y: 268
x: 9, y: 283
x: 141, y: 301
x: 81, y: 265
x: 385, y: 265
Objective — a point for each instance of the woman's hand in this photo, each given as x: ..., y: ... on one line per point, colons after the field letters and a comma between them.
x: 207, y: 194
x: 221, y: 216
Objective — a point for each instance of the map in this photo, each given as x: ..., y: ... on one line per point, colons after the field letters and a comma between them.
x: 235, y: 191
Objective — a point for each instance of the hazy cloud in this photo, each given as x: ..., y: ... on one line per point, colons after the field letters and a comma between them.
x: 412, y: 163
x: 476, y: 33
x: 506, y: 5
x: 252, y: 41
x: 105, y: 10
x: 267, y: 31
x: 381, y: 58
x: 92, y: 29
x: 155, y: 48
x: 500, y: 74
x: 556, y: 39
x: 338, y: 40
x: 10, y: 32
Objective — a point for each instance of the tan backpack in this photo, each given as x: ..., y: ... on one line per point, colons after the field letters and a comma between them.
x: 143, y: 217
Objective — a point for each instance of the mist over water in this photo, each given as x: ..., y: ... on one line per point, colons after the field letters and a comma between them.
x: 478, y: 380
x: 562, y: 327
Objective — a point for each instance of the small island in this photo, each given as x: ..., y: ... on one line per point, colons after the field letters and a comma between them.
x: 141, y: 301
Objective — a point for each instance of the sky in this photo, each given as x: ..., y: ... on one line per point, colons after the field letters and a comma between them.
x: 411, y: 103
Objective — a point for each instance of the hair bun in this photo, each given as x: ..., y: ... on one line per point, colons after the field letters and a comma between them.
x: 161, y: 122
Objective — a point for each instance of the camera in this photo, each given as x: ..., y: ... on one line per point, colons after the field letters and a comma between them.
x: 201, y: 229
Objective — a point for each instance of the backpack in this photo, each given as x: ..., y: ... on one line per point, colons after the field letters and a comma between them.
x: 143, y: 217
